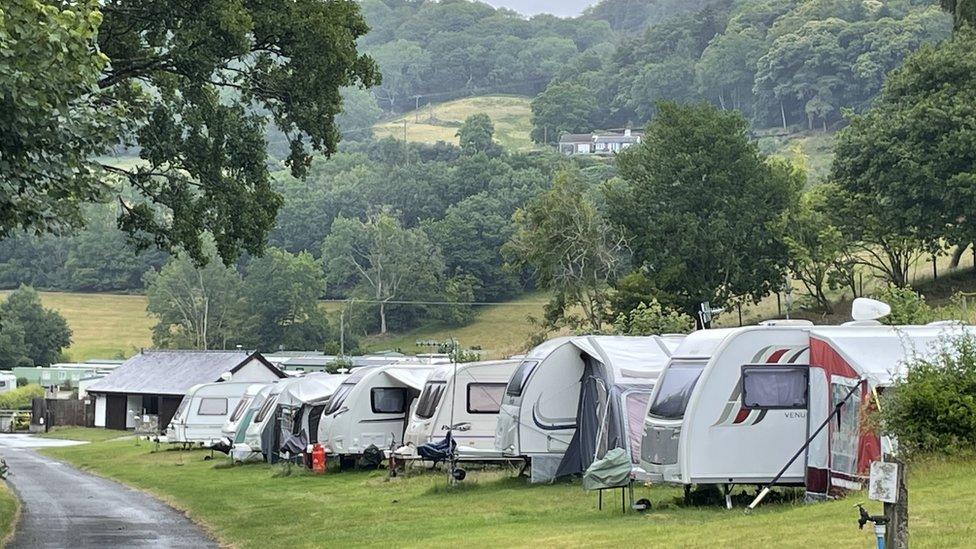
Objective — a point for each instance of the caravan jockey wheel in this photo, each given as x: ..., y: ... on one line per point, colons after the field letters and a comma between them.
x: 642, y: 505
x: 459, y: 474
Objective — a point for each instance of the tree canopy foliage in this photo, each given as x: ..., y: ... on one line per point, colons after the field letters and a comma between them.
x: 781, y: 62
x: 907, y: 168
x: 192, y: 87
x: 30, y: 335
x: 571, y: 251
x: 703, y: 211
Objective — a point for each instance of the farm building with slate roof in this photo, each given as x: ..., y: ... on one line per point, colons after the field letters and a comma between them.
x: 153, y: 383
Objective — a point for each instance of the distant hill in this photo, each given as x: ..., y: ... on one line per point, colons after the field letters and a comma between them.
x: 511, y: 115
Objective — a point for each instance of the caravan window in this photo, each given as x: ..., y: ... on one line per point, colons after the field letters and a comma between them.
x: 517, y: 383
x: 388, y: 400
x: 212, y: 407
x: 430, y: 398
x: 485, y: 398
x: 265, y: 408
x: 335, y: 402
x: 677, y: 383
x: 241, y: 406
x: 775, y: 387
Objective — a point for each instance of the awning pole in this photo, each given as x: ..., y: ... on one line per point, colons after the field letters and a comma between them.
x: 765, y: 491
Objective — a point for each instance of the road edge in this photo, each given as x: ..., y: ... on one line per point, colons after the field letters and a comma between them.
x: 18, y: 505
x: 165, y: 499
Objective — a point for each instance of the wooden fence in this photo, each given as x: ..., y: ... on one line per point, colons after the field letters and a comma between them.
x: 61, y: 413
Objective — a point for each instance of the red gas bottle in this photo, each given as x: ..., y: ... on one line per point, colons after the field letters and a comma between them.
x: 318, y: 459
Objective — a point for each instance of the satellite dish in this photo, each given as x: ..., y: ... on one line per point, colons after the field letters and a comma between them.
x: 226, y: 376
x: 869, y: 309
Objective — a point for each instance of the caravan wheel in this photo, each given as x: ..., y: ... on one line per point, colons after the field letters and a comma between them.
x: 642, y: 505
x: 347, y: 462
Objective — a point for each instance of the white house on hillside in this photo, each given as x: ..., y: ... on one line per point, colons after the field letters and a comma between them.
x: 601, y: 143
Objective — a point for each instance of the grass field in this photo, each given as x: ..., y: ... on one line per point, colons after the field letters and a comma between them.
x: 511, y: 115
x: 248, y: 506
x: 499, y: 330
x: 8, y: 511
x: 103, y: 325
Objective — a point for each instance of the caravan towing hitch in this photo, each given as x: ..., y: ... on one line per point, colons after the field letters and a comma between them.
x: 880, y: 524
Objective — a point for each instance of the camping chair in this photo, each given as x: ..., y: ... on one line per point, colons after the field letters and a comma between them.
x: 438, y: 451
x: 614, y: 471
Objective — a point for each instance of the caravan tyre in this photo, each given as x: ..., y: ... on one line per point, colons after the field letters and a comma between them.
x: 459, y: 474
x: 347, y: 462
x: 643, y: 505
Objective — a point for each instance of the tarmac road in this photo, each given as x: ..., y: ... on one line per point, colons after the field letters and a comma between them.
x: 63, y: 507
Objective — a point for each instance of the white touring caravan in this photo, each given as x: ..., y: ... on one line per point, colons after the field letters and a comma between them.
x: 203, y: 412
x: 476, y: 390
x: 237, y: 417
x: 257, y: 422
x: 734, y: 406
x: 371, y: 408
x: 300, y: 406
x: 574, y: 398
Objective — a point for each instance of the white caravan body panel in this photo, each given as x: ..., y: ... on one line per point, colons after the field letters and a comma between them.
x: 203, y: 412
x: 229, y: 430
x: 371, y: 408
x: 477, y: 389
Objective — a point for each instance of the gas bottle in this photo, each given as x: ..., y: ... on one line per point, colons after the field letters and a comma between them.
x: 318, y: 459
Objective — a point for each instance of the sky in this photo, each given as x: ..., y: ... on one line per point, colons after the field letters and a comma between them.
x: 562, y: 8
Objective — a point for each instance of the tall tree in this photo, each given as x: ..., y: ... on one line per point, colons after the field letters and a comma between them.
x: 562, y: 108
x: 818, y: 249
x: 564, y: 241
x: 281, y: 294
x: 192, y: 86
x: 477, y: 134
x: 194, y: 307
x: 381, y: 260
x: 703, y: 209
x: 39, y: 333
x: 907, y: 167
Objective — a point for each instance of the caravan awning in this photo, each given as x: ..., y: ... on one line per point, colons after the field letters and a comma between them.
x: 638, y: 358
x: 879, y: 353
x: 311, y: 388
x: 413, y: 377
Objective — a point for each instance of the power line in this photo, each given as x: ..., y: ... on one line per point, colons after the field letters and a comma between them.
x: 471, y: 303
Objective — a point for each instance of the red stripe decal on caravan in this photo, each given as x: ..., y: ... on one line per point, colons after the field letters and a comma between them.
x: 741, y: 416
x: 774, y: 358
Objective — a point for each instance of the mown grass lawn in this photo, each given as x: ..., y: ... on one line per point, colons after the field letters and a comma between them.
x: 8, y: 510
x: 84, y: 434
x: 249, y: 507
x: 102, y: 325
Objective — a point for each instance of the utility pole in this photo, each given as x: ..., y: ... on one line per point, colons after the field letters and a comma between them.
x: 342, y: 331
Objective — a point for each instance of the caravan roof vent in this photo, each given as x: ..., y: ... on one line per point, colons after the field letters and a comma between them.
x: 786, y: 322
x: 869, y: 309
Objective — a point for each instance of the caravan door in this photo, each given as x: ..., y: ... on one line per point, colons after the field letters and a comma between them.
x: 389, y: 407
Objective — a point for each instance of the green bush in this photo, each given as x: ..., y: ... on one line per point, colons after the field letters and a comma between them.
x: 933, y: 408
x: 21, y: 397
x: 908, y: 307
x: 653, y: 319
